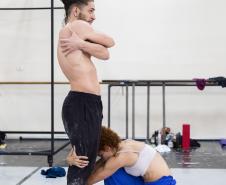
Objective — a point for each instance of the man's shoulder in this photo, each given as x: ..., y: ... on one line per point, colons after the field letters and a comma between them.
x: 80, y: 23
x: 64, y: 32
x: 80, y: 27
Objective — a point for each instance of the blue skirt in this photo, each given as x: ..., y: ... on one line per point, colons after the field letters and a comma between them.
x: 120, y: 177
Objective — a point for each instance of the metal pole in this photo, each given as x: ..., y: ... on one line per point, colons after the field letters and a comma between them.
x: 133, y: 110
x: 127, y: 111
x: 109, y: 106
x: 50, y: 158
x: 164, y: 103
x: 148, y: 110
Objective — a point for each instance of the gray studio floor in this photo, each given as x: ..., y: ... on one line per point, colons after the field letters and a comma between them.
x: 204, y: 165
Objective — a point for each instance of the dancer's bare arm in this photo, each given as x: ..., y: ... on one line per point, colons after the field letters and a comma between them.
x: 68, y: 46
x: 91, y: 35
x: 98, y: 164
x: 106, y: 170
x: 86, y: 33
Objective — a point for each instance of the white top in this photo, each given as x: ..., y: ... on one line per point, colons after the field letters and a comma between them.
x: 146, y: 156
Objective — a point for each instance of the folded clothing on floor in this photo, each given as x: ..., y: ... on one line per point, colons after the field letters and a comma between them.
x: 54, y: 172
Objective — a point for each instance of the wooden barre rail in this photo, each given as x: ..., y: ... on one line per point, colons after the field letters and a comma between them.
x: 36, y: 83
x: 121, y: 82
x: 30, y: 83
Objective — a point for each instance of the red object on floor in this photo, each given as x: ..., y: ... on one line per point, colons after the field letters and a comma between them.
x: 186, y: 136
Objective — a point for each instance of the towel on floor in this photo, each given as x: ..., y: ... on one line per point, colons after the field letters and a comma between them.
x: 54, y: 172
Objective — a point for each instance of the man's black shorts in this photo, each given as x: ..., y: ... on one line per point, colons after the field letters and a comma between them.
x: 82, y: 117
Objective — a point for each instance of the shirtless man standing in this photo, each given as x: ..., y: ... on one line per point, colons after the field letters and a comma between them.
x: 82, y: 108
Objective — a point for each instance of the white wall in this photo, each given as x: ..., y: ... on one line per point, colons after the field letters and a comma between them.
x: 165, y: 38
x: 155, y: 39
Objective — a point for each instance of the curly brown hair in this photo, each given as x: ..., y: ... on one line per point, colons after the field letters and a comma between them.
x: 109, y: 138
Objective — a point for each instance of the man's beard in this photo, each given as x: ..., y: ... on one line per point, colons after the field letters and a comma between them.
x: 82, y: 17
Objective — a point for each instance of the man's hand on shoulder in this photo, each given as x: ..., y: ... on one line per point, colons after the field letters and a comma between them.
x: 87, y: 33
x: 70, y: 44
x: 84, y: 38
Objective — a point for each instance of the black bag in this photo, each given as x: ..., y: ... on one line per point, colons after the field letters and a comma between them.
x: 177, y: 143
x: 2, y: 137
x: 194, y: 143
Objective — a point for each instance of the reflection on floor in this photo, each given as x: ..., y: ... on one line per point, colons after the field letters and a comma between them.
x: 204, y: 165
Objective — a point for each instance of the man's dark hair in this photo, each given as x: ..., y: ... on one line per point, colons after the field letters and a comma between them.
x: 69, y: 4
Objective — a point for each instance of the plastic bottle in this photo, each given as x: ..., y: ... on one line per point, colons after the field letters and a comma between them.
x: 159, y: 138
